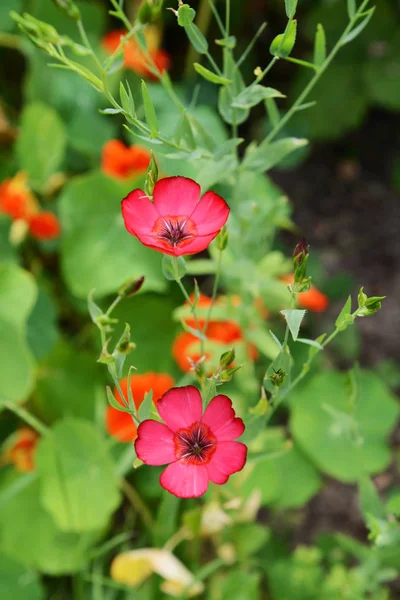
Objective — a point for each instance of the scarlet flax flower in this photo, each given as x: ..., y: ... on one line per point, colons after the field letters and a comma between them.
x: 197, y: 447
x: 122, y: 162
x: 22, y: 452
x: 179, y: 221
x: 313, y: 300
x: 135, y: 58
x: 120, y: 424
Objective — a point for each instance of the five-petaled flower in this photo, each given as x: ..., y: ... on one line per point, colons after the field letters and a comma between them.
x: 197, y: 447
x: 122, y: 162
x: 142, y: 63
x: 179, y: 221
x: 120, y: 425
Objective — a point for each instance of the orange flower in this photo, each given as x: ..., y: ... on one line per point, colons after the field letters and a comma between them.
x: 17, y: 201
x: 134, y: 57
x: 313, y: 300
x: 44, y: 226
x: 186, y: 346
x: 120, y: 424
x: 121, y: 161
x: 22, y: 452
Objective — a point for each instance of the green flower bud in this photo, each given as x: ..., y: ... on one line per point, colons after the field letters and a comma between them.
x: 277, y: 377
x: 222, y: 238
x: 131, y: 287
x: 227, y: 358
x: 151, y: 176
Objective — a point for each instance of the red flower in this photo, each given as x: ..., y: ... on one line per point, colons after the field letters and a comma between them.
x: 44, y: 226
x: 120, y: 424
x: 135, y: 58
x: 198, y: 448
x: 313, y: 300
x: 123, y: 162
x: 22, y: 452
x: 179, y: 222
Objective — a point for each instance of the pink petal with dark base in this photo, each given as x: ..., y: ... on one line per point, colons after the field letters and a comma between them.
x: 211, y: 214
x: 180, y: 407
x: 139, y: 213
x: 220, y: 417
x: 176, y: 196
x: 229, y: 458
x: 185, y: 481
x: 155, y: 443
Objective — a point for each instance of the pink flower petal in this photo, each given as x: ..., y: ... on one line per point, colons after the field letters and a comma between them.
x: 229, y: 458
x: 176, y: 196
x: 220, y: 417
x: 185, y: 480
x: 199, y: 244
x: 139, y: 213
x: 180, y: 407
x: 155, y: 443
x: 210, y: 214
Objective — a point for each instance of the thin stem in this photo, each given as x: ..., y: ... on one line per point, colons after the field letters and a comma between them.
x: 217, y: 18
x: 317, y: 75
x: 227, y: 18
x: 137, y: 503
x: 251, y: 45
x: 203, y: 19
x: 113, y: 305
x: 215, y: 289
x: 121, y: 15
x: 26, y: 416
x: 193, y: 311
x: 88, y: 45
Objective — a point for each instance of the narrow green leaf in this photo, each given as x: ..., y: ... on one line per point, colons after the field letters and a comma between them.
x: 114, y: 403
x: 357, y: 30
x: 267, y: 155
x: 305, y: 106
x: 284, y: 43
x: 184, y: 131
x: 196, y: 38
x: 210, y: 76
x: 126, y: 99
x: 272, y: 111
x: 313, y: 343
x: 319, y: 46
x: 293, y: 319
x: 277, y: 342
x: 145, y: 407
x: 290, y: 7
x: 344, y: 319
x: 149, y: 111
x: 254, y: 94
x: 351, y: 8
x: 227, y: 148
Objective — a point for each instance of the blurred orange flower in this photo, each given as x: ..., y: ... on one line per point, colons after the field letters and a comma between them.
x: 313, y: 300
x: 120, y: 424
x: 122, y: 161
x: 17, y: 201
x: 22, y: 453
x: 186, y: 346
x: 135, y: 58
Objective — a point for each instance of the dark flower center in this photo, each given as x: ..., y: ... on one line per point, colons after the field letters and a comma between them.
x: 196, y: 444
x: 174, y: 231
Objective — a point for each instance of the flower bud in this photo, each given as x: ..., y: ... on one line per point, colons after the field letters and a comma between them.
x: 300, y: 258
x: 131, y: 287
x: 227, y: 358
x: 368, y: 306
x: 222, y: 238
x: 69, y: 7
x: 277, y: 377
x: 151, y: 176
x: 227, y: 374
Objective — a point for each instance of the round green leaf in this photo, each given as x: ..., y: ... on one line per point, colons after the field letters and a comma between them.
x: 17, y: 582
x: 79, y: 486
x: 343, y: 445
x: 41, y: 144
x: 97, y: 251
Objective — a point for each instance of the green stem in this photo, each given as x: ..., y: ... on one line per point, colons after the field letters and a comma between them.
x: 113, y: 305
x: 137, y: 503
x: 251, y: 45
x: 203, y: 19
x: 217, y: 18
x: 317, y: 75
x: 26, y: 416
x: 193, y: 311
x: 215, y: 289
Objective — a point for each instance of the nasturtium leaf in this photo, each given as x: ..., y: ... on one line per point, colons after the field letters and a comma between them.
x: 97, y: 252
x: 370, y: 502
x: 88, y: 131
x: 41, y: 143
x: 254, y: 94
x: 248, y: 538
x: 17, y: 582
x: 69, y: 384
x: 17, y: 297
x: 294, y: 318
x: 8, y: 252
x: 42, y: 325
x: 24, y: 521
x: 78, y: 483
x: 343, y: 443
x: 268, y: 155
x: 209, y: 75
